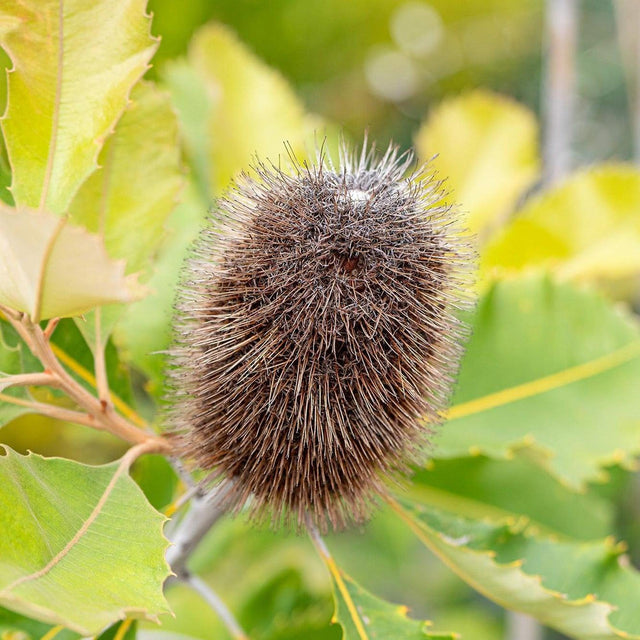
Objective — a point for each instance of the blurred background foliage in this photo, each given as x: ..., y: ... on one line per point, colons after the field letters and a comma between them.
x: 382, y: 64
x: 243, y: 75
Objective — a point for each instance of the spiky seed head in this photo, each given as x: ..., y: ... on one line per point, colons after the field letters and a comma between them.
x: 318, y: 333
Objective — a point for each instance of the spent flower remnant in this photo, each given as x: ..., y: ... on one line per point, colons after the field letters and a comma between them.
x: 318, y: 333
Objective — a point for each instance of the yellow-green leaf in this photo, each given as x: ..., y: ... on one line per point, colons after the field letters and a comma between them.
x: 362, y: 615
x: 74, y: 63
x: 49, y: 268
x: 128, y: 200
x: 487, y: 151
x: 551, y: 371
x: 81, y: 546
x: 585, y: 229
x: 583, y: 589
x: 253, y: 109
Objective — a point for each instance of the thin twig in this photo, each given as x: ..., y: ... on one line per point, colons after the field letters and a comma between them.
x: 316, y: 538
x: 52, y: 411
x: 559, y: 87
x: 51, y: 327
x: 98, y: 416
x: 28, y: 380
x: 100, y: 366
x: 113, y: 422
x: 214, y: 601
x: 15, y: 320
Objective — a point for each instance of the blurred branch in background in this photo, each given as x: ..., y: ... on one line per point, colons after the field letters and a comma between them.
x: 561, y: 26
x: 628, y: 18
x: 522, y: 627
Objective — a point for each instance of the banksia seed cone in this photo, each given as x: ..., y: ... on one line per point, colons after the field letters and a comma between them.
x: 318, y: 336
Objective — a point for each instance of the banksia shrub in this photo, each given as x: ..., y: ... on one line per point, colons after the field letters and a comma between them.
x: 317, y: 334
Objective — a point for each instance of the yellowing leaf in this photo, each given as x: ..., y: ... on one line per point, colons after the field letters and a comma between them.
x: 49, y: 268
x: 253, y: 109
x: 487, y: 150
x: 74, y: 63
x: 586, y: 228
x: 128, y: 199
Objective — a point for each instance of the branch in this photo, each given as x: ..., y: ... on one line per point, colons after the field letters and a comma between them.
x: 100, y: 366
x: 522, y: 627
x: 628, y: 19
x: 559, y: 85
x: 205, y: 511
x: 52, y: 411
x: 100, y: 414
x: 217, y: 605
x: 28, y: 380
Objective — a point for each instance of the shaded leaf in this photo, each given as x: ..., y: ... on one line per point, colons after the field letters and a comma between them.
x: 552, y: 371
x: 125, y: 630
x: 12, y: 354
x: 73, y: 528
x: 485, y: 488
x: 12, y: 622
x: 586, y: 228
x: 574, y: 587
x: 487, y: 150
x: 49, y: 268
x: 65, y: 96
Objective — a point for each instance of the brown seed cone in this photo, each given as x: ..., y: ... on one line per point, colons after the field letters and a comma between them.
x: 317, y: 336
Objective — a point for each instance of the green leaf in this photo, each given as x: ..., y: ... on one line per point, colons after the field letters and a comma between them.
x: 12, y: 354
x: 583, y: 589
x: 587, y: 228
x: 552, y: 371
x: 144, y: 331
x: 194, y: 106
x: 487, y: 151
x: 483, y: 488
x: 67, y: 339
x: 49, y: 268
x: 127, y: 201
x: 125, y: 630
x: 253, y: 109
x: 365, y: 617
x: 12, y: 622
x: 74, y: 64
x: 85, y: 547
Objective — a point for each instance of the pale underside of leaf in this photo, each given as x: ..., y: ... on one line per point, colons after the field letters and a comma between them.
x: 49, y: 268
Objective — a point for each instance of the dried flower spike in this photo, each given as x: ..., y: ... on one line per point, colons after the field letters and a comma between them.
x: 317, y: 335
